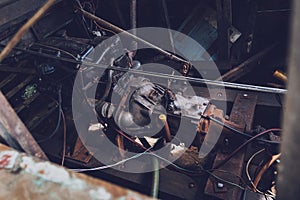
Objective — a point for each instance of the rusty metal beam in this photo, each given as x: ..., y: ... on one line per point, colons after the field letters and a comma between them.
x: 18, y: 131
x: 25, y: 177
x: 242, y: 115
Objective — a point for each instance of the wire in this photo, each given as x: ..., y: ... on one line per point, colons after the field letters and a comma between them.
x: 228, y: 172
x: 264, y: 169
x: 65, y: 139
x: 248, y: 164
x: 114, y: 33
x: 249, y: 177
x: 55, y: 48
x: 58, y: 120
x: 163, y: 159
x: 244, y: 144
x: 237, y: 131
x: 112, y: 165
x: 225, y: 181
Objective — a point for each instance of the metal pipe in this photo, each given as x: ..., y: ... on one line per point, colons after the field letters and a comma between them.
x: 133, y: 16
x: 280, y: 75
x: 168, y: 135
x: 138, y: 39
x: 167, y: 76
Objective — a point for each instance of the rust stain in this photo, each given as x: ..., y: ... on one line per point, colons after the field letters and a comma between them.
x: 5, y: 161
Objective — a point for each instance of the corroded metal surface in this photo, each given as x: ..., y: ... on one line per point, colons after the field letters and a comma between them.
x: 242, y: 115
x: 25, y: 177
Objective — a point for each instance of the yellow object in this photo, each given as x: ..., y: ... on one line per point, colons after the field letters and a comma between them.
x: 280, y: 75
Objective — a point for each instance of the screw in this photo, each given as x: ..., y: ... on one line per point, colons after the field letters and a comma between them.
x: 192, y: 185
x: 220, y: 185
x: 226, y: 141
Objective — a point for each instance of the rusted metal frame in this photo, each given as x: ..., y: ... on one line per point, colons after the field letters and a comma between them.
x: 80, y: 153
x: 224, y: 21
x: 241, y: 116
x: 288, y: 180
x: 16, y: 89
x: 246, y: 66
x: 215, y: 94
x: 243, y: 109
x: 37, y: 179
x: 18, y: 131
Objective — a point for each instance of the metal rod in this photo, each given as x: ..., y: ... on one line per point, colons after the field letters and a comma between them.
x: 138, y: 39
x: 168, y: 135
x: 18, y: 36
x: 167, y: 76
x: 133, y: 16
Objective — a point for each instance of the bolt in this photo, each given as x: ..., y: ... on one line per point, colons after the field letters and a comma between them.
x: 226, y: 141
x: 192, y: 185
x: 220, y: 185
x: 278, y: 161
x: 245, y: 95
